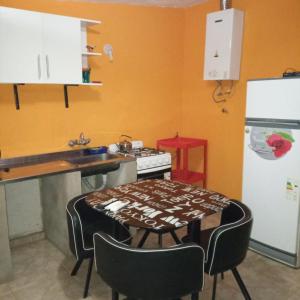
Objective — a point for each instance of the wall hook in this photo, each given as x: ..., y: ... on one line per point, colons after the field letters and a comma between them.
x: 108, y: 50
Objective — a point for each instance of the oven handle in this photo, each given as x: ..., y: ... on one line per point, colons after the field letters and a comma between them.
x: 153, y: 175
x: 164, y: 168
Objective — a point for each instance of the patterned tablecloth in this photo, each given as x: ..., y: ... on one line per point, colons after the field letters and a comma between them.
x: 158, y: 204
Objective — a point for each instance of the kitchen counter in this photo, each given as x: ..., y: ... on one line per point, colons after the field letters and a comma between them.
x: 21, y: 168
x: 36, y: 189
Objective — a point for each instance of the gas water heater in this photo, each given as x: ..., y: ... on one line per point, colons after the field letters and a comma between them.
x: 224, y: 34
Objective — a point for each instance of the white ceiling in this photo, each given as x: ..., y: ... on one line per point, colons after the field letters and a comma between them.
x: 161, y: 3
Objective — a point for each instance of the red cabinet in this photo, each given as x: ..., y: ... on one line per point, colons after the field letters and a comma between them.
x: 182, y: 146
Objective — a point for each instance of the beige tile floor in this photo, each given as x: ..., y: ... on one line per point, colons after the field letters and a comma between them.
x: 42, y: 273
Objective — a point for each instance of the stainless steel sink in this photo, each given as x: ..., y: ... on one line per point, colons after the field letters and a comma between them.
x: 80, y: 160
x: 78, y: 157
x: 60, y: 162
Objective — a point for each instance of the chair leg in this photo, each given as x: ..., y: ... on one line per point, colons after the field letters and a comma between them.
x: 214, y: 287
x: 130, y: 240
x: 241, y: 283
x: 175, y: 237
x: 142, y: 241
x: 195, y: 296
x: 222, y: 275
x: 76, y: 267
x: 160, y: 242
x: 88, y: 278
x: 114, y: 295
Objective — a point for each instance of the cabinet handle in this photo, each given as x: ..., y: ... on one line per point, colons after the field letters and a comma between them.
x: 47, y: 65
x: 39, y: 66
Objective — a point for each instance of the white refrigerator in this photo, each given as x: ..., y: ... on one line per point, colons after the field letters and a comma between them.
x: 271, y: 169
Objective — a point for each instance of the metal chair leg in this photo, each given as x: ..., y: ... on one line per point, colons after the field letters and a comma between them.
x: 241, y: 284
x: 130, y: 240
x: 76, y: 267
x: 88, y: 278
x: 160, y: 242
x: 175, y: 237
x: 214, y: 287
x: 142, y: 241
x: 114, y: 295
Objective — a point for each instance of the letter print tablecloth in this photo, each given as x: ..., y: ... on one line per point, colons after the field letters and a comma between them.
x: 157, y: 204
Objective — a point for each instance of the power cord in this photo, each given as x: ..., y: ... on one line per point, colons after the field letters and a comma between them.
x: 218, y: 93
x: 291, y: 72
x: 221, y: 93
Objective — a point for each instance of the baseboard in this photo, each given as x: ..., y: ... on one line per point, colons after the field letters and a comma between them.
x: 275, y: 254
x: 30, y: 238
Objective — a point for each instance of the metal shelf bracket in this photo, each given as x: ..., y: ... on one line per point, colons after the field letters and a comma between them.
x: 16, y: 93
x: 66, y: 93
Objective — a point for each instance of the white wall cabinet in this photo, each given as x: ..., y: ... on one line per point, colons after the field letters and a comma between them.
x: 20, y: 46
x: 40, y: 48
x: 61, y: 58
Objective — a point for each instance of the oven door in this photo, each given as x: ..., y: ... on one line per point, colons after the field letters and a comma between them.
x: 161, y: 174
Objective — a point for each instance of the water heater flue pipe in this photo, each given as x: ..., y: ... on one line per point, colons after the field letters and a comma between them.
x: 225, y: 4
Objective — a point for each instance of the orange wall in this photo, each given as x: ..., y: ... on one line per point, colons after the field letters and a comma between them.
x: 271, y: 45
x: 142, y: 87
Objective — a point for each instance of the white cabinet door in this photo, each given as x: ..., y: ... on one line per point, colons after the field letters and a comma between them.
x: 20, y: 46
x: 61, y: 49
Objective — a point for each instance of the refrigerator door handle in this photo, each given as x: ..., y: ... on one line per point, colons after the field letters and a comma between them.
x: 273, y: 123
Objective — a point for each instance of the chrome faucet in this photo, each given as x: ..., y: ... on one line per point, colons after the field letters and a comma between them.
x: 82, y: 141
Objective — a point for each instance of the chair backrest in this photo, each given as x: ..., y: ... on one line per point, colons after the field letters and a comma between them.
x: 76, y: 211
x: 229, y: 242
x: 165, y: 273
x: 83, y: 221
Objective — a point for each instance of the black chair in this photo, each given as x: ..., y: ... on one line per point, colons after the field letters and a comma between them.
x: 83, y: 221
x: 226, y: 246
x: 149, y: 274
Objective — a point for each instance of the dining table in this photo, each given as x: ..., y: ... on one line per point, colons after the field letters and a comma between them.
x: 159, y: 205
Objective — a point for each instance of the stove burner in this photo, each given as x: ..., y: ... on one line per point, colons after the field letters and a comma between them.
x: 151, y: 162
x: 143, y: 152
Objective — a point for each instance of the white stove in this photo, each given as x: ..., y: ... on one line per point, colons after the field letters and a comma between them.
x: 150, y: 160
x: 151, y: 163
